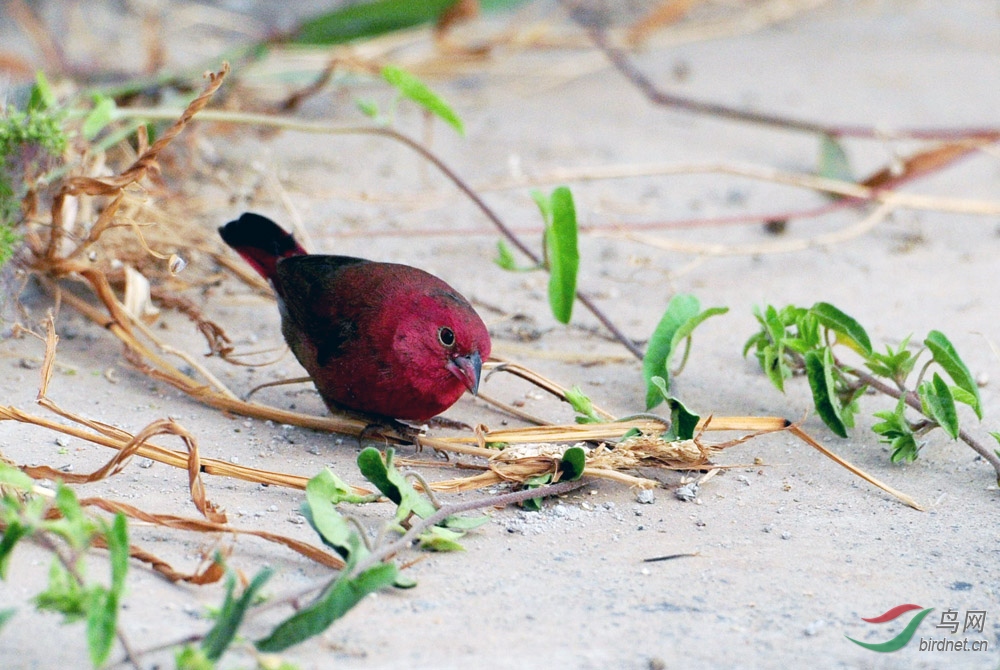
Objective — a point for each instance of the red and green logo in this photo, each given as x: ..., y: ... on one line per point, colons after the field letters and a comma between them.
x: 901, y: 640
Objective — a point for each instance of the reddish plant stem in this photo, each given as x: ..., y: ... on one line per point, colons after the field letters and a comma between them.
x: 624, y: 65
x: 912, y: 400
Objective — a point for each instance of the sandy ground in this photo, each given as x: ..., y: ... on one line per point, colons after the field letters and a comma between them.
x: 790, y: 554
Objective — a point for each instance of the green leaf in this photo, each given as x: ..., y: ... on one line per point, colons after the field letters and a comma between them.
x: 544, y: 203
x: 895, y: 364
x: 343, y: 595
x: 413, y: 88
x: 42, y: 97
x: 63, y: 594
x: 192, y: 658
x: 895, y: 430
x: 819, y: 370
x: 464, y: 522
x: 681, y: 308
x: 392, y: 484
x: 368, y: 107
x: 328, y: 487
x: 631, y: 432
x: 334, y: 531
x: 562, y: 254
x: 938, y: 404
x: 833, y: 162
x: 118, y: 550
x: 99, y: 117
x: 660, y: 385
x: 963, y: 396
x: 5, y: 616
x: 768, y: 344
x: 944, y: 354
x: 848, y: 331
x: 573, y: 463
x: 368, y: 20
x: 505, y: 257
x: 436, y: 538
x: 102, y: 604
x: 322, y: 494
x: 683, y: 422
x: 583, y: 405
x: 535, y: 504
x: 325, y: 490
x: 74, y: 525
x: 684, y: 332
x: 682, y: 316
x: 231, y: 615
x: 69, y: 506
x: 102, y: 618
x: 506, y: 261
x: 11, y: 476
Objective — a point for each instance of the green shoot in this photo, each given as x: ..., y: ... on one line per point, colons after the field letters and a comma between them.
x: 798, y: 340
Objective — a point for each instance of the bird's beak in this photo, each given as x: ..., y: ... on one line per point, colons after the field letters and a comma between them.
x: 468, y: 369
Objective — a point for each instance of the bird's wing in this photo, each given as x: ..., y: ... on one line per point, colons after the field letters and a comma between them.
x: 322, y: 299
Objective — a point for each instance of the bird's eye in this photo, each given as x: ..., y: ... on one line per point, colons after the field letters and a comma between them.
x: 446, y: 336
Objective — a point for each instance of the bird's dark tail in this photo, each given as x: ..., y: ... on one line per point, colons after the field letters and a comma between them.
x: 261, y: 242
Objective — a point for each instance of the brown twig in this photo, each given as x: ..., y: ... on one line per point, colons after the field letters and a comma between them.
x: 620, y: 60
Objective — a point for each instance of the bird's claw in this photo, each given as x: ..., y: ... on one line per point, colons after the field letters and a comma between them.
x: 390, y: 430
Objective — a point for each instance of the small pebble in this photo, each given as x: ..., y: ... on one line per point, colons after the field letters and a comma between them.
x: 645, y: 497
x: 687, y: 493
x: 785, y: 535
x: 813, y: 628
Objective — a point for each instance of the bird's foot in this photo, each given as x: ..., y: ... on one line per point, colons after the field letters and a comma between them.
x: 445, y: 422
x: 389, y: 430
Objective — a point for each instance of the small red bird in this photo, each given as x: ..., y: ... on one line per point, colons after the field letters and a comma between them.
x: 379, y: 338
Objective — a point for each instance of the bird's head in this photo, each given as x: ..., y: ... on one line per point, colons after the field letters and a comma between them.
x: 451, y: 341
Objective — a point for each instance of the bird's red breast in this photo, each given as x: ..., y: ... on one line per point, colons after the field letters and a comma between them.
x: 380, y: 338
